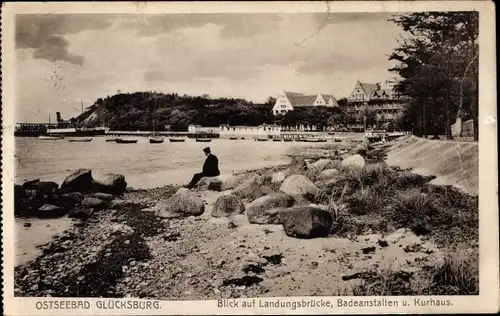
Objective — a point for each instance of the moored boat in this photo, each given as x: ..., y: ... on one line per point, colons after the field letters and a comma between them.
x: 276, y: 139
x: 111, y: 140
x: 126, y: 141
x: 177, y: 140
x: 50, y: 137
x: 203, y: 140
x: 156, y: 140
x: 80, y: 140
x: 287, y: 139
x: 262, y: 139
x: 233, y: 138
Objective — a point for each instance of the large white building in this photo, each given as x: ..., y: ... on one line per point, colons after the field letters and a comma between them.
x: 288, y: 101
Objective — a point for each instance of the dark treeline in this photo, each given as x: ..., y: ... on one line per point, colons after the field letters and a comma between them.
x: 438, y: 64
x: 138, y: 111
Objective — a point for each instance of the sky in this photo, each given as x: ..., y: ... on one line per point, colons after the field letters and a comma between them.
x: 63, y: 61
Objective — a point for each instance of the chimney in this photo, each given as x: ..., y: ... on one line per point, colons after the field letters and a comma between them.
x: 58, y: 115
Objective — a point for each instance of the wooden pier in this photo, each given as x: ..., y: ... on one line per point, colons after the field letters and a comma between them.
x: 165, y: 134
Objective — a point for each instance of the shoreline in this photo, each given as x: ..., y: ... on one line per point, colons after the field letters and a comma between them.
x: 183, y: 249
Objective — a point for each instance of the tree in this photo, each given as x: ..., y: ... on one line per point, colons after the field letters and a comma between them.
x: 437, y: 65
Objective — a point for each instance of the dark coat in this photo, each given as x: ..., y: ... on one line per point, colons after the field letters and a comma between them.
x: 211, y: 166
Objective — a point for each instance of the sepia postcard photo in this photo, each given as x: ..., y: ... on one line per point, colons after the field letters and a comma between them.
x: 249, y: 158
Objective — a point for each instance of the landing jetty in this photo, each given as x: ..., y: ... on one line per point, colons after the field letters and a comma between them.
x: 337, y: 220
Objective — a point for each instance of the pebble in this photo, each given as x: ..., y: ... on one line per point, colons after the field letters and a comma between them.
x: 27, y: 224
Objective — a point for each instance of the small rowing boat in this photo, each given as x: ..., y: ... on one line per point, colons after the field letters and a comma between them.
x: 156, y: 140
x: 287, y: 140
x: 80, y: 140
x: 276, y: 140
x: 111, y: 140
x: 176, y: 140
x: 233, y: 138
x: 203, y: 140
x: 262, y: 139
x: 126, y: 141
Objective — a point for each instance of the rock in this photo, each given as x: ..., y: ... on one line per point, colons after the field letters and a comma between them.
x: 306, y: 222
x: 181, y: 204
x: 110, y: 183
x: 27, y: 225
x: 265, y: 190
x: 50, y: 211
x: 239, y: 220
x: 209, y: 183
x: 298, y: 165
x: 71, y: 199
x: 321, y: 164
x: 103, y: 196
x: 354, y: 160
x: 264, y: 210
x: 94, y: 203
x: 361, y: 149
x: 32, y: 184
x: 230, y: 181
x: 80, y: 212
x: 298, y: 185
x: 79, y: 181
x: 119, y: 204
x: 278, y: 177
x: 328, y: 174
x: 227, y: 205
x: 249, y: 189
x: 122, y: 228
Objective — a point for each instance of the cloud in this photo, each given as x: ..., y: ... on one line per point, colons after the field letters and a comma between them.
x: 232, y: 25
x: 45, y: 33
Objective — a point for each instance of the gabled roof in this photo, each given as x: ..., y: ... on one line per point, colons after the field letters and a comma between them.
x: 299, y: 99
x: 326, y: 97
x: 369, y: 88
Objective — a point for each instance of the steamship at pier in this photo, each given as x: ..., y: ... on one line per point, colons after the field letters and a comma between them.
x: 64, y: 128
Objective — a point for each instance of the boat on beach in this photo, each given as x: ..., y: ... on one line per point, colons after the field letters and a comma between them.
x: 50, y: 137
x: 126, y: 141
x: 233, y: 138
x: 176, y: 140
x: 287, y: 139
x: 111, y: 140
x: 155, y: 140
x: 261, y: 139
x: 203, y: 140
x: 276, y: 139
x: 80, y: 140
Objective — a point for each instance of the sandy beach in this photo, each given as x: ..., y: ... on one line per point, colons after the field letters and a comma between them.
x: 134, y: 251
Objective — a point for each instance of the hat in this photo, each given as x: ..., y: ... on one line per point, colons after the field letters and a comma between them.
x: 206, y: 150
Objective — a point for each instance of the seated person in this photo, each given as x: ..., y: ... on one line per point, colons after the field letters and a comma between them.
x: 210, y: 168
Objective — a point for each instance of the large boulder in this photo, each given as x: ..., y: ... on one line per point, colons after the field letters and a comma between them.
x: 110, y: 183
x: 43, y: 186
x: 249, y: 189
x: 71, y: 199
x: 79, y: 181
x: 264, y: 210
x: 181, y: 204
x: 298, y: 185
x: 321, y: 164
x: 231, y: 181
x: 227, y: 206
x: 50, y: 211
x: 209, y: 183
x: 353, y: 161
x: 94, y: 203
x: 306, y: 222
x: 328, y: 174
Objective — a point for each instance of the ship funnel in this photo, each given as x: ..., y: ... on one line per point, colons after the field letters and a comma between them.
x: 58, y: 115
